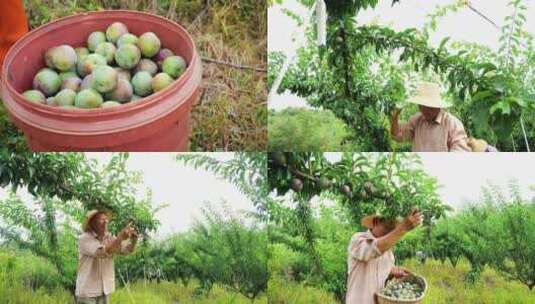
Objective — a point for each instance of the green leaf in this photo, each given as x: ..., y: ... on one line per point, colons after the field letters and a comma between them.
x: 516, y: 100
x: 503, y: 125
x: 503, y: 106
x: 482, y: 95
x: 480, y: 117
x: 443, y: 43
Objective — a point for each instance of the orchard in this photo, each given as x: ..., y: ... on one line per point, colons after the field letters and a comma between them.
x: 364, y: 71
x: 220, y: 256
x: 317, y: 202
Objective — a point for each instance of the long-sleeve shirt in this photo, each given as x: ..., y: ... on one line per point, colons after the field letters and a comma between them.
x: 96, y: 273
x: 444, y: 134
x: 367, y: 268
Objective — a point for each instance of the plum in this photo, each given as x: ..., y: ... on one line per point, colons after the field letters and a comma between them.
x: 35, y: 96
x: 104, y: 78
x: 127, y: 56
x: 115, y: 31
x: 149, y: 44
x: 142, y: 83
x: 94, y: 39
x: 47, y: 81
x: 174, y: 66
x: 88, y: 99
x: 161, y: 81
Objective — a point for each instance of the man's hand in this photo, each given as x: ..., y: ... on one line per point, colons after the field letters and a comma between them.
x: 133, y: 241
x: 412, y: 220
x: 399, y: 272
x: 395, y: 113
x: 126, y: 232
x: 134, y: 234
x: 394, y: 124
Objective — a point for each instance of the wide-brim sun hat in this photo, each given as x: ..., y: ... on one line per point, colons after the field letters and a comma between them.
x: 429, y: 94
x: 90, y: 215
x: 367, y: 221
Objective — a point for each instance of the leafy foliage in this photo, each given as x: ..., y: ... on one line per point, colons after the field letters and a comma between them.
x: 496, y: 232
x: 235, y: 257
x: 301, y: 130
x: 63, y: 188
x: 220, y: 249
x: 360, y: 184
x: 367, y: 70
x: 71, y: 176
x: 500, y: 234
x: 27, y: 279
x: 472, y: 244
x: 386, y: 184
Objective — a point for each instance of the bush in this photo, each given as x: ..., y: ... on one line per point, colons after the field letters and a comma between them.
x: 299, y: 130
x: 28, y: 270
x: 287, y: 263
x: 26, y: 279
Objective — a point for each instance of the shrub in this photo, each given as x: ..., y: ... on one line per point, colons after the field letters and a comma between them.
x: 298, y: 130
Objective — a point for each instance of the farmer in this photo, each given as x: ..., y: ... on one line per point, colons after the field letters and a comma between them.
x: 13, y: 25
x: 96, y: 247
x: 432, y: 129
x: 370, y: 260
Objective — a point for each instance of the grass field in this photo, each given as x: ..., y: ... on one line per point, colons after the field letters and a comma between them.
x: 446, y: 286
x: 26, y: 279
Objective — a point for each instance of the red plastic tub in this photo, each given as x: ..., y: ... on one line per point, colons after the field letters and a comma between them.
x: 159, y: 122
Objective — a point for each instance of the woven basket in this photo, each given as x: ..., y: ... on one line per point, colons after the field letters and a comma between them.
x: 382, y: 299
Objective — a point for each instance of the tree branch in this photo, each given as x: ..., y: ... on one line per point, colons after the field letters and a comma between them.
x: 234, y: 65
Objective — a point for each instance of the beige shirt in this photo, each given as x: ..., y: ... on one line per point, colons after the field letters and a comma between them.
x: 444, y: 134
x: 96, y: 273
x: 367, y: 268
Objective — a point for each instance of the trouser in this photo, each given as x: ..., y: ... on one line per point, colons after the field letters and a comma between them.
x: 103, y: 299
x: 13, y: 24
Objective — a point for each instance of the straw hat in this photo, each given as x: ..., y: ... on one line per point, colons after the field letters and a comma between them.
x: 90, y: 215
x: 367, y: 221
x: 429, y: 94
x: 477, y: 145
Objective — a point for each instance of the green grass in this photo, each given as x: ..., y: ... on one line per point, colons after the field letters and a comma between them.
x: 169, y: 292
x: 281, y: 291
x: 446, y: 286
x: 26, y: 279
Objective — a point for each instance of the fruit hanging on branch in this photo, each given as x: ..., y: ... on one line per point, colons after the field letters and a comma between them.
x: 346, y: 190
x: 361, y: 184
x: 296, y: 185
x: 369, y: 188
x: 279, y: 159
x: 323, y: 183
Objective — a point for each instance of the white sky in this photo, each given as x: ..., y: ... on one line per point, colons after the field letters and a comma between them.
x: 185, y: 189
x: 465, y: 25
x: 462, y: 175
